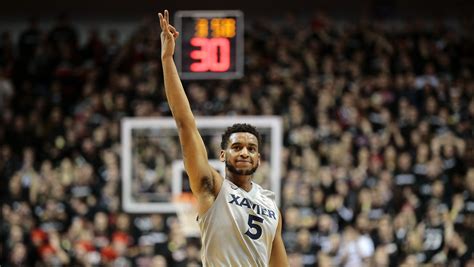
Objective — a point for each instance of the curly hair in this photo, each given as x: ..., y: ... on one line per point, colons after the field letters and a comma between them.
x: 240, y: 128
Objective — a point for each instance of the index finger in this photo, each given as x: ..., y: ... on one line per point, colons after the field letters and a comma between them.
x: 164, y: 23
x: 161, y: 20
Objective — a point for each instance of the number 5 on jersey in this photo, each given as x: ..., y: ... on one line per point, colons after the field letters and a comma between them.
x: 255, y: 230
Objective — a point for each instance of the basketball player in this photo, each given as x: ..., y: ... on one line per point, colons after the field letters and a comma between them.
x: 239, y: 221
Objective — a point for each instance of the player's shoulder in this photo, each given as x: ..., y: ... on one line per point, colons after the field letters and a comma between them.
x: 265, y: 192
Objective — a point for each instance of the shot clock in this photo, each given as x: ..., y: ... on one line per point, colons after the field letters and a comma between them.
x: 211, y: 44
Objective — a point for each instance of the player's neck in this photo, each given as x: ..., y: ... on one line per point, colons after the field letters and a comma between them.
x: 242, y: 181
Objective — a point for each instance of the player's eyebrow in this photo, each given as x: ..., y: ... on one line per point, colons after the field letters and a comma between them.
x: 249, y: 144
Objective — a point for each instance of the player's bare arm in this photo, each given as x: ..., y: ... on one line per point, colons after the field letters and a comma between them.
x: 205, y: 181
x: 278, y: 257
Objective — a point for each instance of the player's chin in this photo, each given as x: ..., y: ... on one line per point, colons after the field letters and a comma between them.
x: 243, y: 169
x: 238, y: 169
x: 247, y: 170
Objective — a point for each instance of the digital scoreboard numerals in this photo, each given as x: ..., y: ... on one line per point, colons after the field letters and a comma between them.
x: 220, y: 27
x: 223, y: 27
x: 211, y: 54
x: 211, y: 44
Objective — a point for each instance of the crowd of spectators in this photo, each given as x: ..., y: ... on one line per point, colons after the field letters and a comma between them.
x: 378, y: 141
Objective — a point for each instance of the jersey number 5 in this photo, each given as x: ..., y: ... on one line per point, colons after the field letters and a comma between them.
x: 256, y: 232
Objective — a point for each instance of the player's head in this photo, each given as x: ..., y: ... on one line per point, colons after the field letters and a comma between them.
x: 240, y: 149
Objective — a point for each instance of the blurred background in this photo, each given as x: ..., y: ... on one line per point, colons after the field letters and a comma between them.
x: 340, y: 8
x: 377, y: 104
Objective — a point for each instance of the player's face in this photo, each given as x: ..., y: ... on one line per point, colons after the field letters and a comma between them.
x: 241, y: 156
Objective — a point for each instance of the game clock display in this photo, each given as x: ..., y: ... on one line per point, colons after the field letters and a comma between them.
x: 211, y: 44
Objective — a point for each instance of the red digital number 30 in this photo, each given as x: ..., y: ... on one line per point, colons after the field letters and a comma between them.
x: 213, y: 54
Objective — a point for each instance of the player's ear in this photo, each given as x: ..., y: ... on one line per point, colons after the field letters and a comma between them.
x: 222, y: 156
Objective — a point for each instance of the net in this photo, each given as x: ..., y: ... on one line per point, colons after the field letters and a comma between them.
x: 186, y: 207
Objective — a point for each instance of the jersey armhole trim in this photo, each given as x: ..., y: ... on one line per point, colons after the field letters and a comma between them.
x: 199, y: 218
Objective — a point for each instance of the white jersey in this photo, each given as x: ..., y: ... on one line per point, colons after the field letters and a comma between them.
x: 239, y: 227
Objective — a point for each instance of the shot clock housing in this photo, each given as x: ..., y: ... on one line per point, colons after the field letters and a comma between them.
x: 211, y: 44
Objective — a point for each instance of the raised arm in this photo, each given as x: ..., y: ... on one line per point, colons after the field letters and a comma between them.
x: 205, y: 181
